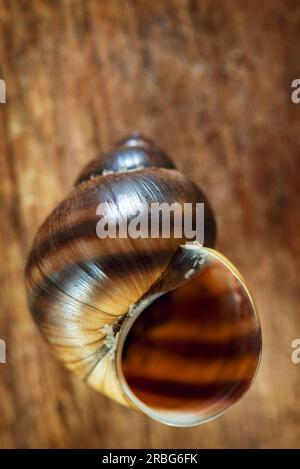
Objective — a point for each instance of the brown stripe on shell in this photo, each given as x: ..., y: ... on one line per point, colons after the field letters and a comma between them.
x: 184, y: 391
x: 195, y: 350
x: 209, y: 400
x: 116, y: 266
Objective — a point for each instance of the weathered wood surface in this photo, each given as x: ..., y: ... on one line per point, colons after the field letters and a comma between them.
x: 211, y: 83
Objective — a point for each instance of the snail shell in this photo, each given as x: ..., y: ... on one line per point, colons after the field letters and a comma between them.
x: 163, y: 325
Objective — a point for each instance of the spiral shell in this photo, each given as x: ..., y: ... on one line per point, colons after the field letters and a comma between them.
x: 163, y: 325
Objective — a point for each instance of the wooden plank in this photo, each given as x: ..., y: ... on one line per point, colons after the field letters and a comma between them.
x: 212, y: 85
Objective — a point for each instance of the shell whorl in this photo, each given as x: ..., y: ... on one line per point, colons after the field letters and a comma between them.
x: 132, y: 153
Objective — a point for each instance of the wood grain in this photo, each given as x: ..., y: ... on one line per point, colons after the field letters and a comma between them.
x: 211, y: 83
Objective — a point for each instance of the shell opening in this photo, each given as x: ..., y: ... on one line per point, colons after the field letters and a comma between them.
x: 192, y: 352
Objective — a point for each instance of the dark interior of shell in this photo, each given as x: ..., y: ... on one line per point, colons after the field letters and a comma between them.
x: 195, y: 350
